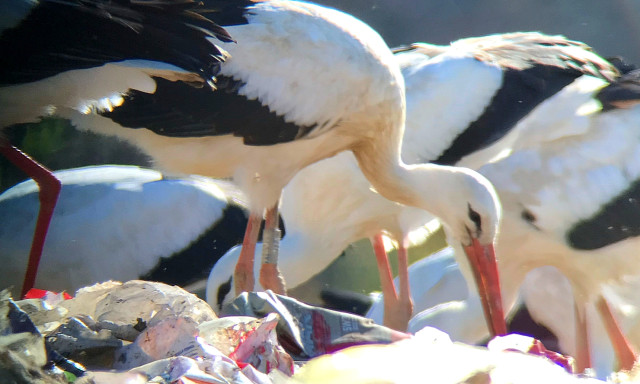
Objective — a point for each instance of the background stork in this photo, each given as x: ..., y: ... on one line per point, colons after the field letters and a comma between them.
x: 54, y: 51
x: 569, y: 190
x: 121, y: 223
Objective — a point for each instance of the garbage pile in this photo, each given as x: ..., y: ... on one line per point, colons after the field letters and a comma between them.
x: 146, y: 332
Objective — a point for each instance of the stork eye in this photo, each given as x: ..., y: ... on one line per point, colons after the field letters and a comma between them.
x: 528, y: 216
x: 223, y: 290
x: 475, y: 217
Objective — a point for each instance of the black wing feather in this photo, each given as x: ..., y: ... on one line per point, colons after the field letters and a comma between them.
x: 521, y: 92
x: 61, y: 35
x: 177, y: 109
x: 188, y: 265
x: 614, y: 222
x: 624, y: 93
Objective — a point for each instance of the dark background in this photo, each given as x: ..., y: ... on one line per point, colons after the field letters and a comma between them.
x: 612, y: 27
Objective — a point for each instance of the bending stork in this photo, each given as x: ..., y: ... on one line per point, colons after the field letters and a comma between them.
x: 461, y: 99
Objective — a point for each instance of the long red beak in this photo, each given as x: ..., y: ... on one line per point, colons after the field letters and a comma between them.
x: 485, y: 271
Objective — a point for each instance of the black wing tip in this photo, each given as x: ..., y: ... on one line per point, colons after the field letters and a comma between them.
x: 403, y: 48
x: 63, y: 35
x: 624, y: 93
x: 615, y: 221
x: 621, y: 64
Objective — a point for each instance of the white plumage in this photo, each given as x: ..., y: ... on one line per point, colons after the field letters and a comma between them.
x: 549, y: 299
x: 116, y: 222
x: 545, y: 292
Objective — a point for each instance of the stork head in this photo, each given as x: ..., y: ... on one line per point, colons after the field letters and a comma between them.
x: 478, y: 215
x: 470, y: 210
x: 475, y: 212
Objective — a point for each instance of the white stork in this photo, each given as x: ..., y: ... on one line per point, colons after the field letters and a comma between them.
x: 502, y: 78
x: 568, y: 184
x: 121, y: 223
x: 301, y: 84
x: 570, y: 190
x: 55, y: 53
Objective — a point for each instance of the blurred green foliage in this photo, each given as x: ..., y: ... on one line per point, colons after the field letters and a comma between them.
x: 57, y: 145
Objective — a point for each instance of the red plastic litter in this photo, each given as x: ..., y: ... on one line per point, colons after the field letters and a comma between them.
x: 35, y: 293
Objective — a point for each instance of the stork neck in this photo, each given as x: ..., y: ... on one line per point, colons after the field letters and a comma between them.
x: 413, y: 185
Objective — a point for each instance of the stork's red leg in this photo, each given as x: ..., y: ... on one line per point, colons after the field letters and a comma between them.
x: 384, y: 270
x: 392, y: 316
x: 243, y: 274
x: 405, y: 302
x: 270, y: 276
x: 49, y: 190
x: 583, y: 349
x: 624, y: 351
